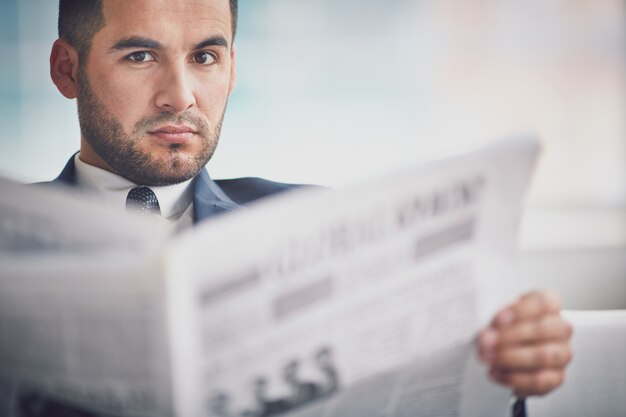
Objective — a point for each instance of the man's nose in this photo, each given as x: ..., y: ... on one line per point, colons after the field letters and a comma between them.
x: 175, y: 93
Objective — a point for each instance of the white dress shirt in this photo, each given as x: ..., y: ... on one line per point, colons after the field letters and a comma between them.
x: 175, y: 201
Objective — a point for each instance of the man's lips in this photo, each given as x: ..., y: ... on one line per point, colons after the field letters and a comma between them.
x: 174, y: 134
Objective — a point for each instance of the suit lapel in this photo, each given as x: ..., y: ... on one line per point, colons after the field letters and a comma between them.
x: 208, y: 197
x: 68, y: 175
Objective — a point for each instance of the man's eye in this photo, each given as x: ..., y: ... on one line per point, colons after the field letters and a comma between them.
x: 203, y: 58
x: 140, y: 56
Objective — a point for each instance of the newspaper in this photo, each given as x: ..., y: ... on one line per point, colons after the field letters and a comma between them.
x: 356, y: 302
x: 82, y: 308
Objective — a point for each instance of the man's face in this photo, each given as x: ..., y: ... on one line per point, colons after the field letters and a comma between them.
x: 153, y: 90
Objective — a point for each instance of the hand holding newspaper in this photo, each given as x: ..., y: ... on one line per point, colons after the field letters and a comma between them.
x: 359, y: 302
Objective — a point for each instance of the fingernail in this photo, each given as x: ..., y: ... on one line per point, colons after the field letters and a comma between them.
x: 489, y: 340
x: 506, y: 317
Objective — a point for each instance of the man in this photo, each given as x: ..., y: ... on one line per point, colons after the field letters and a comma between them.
x: 151, y: 98
x: 152, y: 79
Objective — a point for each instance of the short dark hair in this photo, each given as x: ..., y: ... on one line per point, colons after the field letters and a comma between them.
x: 80, y: 20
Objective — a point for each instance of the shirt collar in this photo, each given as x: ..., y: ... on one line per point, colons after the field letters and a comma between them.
x: 173, y: 199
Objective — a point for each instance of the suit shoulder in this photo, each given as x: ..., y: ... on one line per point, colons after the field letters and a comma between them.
x: 249, y: 189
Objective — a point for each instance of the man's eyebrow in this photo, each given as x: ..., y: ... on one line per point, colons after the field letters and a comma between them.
x: 216, y: 40
x: 136, y: 42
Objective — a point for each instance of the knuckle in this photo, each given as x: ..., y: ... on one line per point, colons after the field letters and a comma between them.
x: 528, y: 332
x: 512, y: 336
x: 558, y: 357
x: 544, y: 356
x: 544, y: 328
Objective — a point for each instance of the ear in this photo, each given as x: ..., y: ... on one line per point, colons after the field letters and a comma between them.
x: 233, y: 71
x: 63, y: 67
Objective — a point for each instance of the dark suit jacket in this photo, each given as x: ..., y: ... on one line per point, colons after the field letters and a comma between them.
x: 209, y: 197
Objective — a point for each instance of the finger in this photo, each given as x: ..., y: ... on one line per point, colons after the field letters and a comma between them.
x: 529, y: 306
x: 525, y: 384
x: 532, y: 357
x: 550, y: 327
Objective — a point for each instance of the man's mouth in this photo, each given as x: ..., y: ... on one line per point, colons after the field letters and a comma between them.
x: 172, y: 134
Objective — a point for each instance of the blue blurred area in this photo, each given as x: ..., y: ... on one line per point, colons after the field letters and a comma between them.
x: 36, y: 120
x: 10, y: 92
x: 9, y: 22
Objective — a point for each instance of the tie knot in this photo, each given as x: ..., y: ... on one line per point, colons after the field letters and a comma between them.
x: 143, y: 200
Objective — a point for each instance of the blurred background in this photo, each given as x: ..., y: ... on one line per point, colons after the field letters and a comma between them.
x: 335, y: 91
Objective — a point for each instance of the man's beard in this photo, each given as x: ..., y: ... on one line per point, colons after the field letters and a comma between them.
x: 123, y: 153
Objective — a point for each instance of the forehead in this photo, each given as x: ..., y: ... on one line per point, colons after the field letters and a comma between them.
x: 167, y: 20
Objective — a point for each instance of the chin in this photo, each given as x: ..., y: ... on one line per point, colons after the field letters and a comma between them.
x: 179, y: 168
x: 168, y: 165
